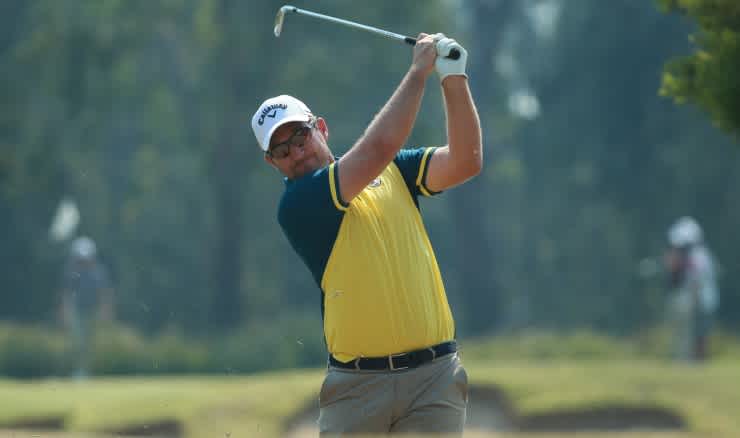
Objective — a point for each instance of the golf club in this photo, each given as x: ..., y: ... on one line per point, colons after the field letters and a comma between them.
x: 280, y: 18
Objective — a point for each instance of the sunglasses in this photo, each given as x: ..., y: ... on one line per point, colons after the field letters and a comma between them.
x: 297, y: 139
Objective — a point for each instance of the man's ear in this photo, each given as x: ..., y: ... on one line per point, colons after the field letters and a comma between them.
x: 322, y: 126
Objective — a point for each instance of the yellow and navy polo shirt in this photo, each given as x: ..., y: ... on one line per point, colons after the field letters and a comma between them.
x: 382, y: 292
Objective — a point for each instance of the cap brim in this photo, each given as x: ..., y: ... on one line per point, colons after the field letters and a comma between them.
x: 294, y: 118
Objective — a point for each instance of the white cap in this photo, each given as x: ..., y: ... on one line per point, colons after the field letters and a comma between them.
x: 275, y: 112
x: 84, y: 248
x: 686, y: 231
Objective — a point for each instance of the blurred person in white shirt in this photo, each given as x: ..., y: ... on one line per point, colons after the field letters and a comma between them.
x: 695, y: 295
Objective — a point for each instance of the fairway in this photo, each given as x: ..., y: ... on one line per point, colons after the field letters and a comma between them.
x: 705, y: 400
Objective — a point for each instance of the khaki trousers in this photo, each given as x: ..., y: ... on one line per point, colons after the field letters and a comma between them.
x: 430, y: 399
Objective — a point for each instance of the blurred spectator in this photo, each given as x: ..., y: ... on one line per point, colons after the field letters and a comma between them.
x: 87, y: 296
x: 694, y: 293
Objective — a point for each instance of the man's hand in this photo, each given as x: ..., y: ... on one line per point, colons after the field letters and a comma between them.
x: 425, y: 53
x: 446, y: 66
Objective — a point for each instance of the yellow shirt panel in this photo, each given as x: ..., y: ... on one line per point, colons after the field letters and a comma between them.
x: 383, y: 292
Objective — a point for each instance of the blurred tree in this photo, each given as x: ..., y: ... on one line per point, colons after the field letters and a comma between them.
x: 32, y: 179
x: 711, y: 76
x: 476, y: 263
x: 107, y: 108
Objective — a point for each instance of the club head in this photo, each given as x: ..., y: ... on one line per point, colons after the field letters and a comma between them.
x: 280, y: 17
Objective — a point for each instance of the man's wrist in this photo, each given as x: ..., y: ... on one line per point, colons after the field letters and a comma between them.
x: 455, y: 80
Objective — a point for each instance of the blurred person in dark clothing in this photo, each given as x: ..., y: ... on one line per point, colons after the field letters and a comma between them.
x: 86, y: 297
x: 692, y: 280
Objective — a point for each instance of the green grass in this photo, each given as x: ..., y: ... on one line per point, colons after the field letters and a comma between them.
x: 257, y: 405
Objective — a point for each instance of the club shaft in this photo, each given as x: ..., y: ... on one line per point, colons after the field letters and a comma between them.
x: 454, y: 53
x: 387, y: 34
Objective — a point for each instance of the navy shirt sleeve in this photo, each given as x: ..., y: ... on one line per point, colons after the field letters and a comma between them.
x: 310, y: 220
x: 414, y: 164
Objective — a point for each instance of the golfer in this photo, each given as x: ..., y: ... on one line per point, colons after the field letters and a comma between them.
x: 355, y: 222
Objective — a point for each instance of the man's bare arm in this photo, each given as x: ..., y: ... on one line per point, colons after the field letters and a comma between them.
x: 462, y: 158
x: 390, y: 128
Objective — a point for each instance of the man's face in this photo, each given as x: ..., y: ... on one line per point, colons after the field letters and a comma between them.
x: 299, y: 148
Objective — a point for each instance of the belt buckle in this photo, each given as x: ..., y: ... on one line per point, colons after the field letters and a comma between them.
x: 390, y: 361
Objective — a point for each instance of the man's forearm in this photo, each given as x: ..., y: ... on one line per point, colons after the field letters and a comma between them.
x: 393, y: 124
x: 463, y: 123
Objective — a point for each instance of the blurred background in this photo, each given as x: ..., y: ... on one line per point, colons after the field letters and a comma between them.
x: 128, y: 123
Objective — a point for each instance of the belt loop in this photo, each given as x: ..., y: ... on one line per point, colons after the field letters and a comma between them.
x: 357, y: 363
x: 434, y: 353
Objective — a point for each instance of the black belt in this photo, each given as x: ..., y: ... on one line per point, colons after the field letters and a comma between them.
x: 400, y: 361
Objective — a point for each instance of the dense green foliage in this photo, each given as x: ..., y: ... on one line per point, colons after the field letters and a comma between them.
x: 30, y: 352
x: 709, y: 76
x: 33, y: 352
x: 139, y: 110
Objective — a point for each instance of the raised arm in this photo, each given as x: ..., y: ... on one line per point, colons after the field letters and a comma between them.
x: 462, y: 158
x: 390, y: 128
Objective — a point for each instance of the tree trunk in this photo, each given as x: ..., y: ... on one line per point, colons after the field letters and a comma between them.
x: 227, y: 171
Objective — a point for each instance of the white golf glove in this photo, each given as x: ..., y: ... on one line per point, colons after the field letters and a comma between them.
x: 446, y: 66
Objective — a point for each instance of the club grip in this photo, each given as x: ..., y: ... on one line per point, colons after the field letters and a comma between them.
x: 454, y: 53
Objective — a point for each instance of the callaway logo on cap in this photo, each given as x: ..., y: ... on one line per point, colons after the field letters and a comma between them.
x: 275, y: 112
